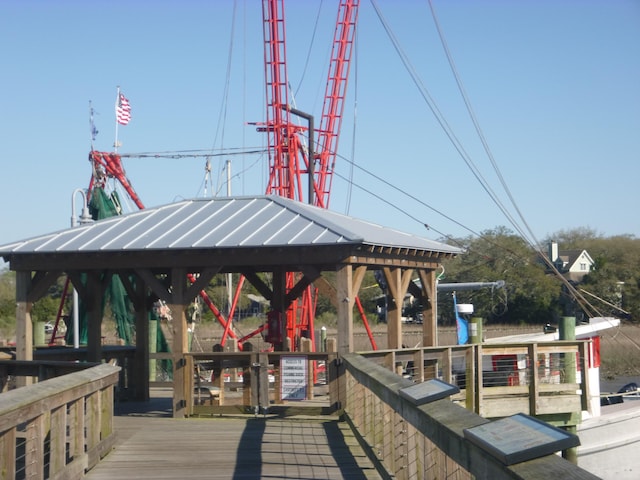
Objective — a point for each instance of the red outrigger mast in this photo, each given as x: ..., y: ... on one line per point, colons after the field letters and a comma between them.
x: 290, y: 162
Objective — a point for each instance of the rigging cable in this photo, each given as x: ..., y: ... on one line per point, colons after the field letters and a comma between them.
x: 355, y: 124
x: 313, y: 37
x: 532, y: 240
x: 424, y: 204
x: 463, y: 154
x: 439, y: 116
x: 222, y: 116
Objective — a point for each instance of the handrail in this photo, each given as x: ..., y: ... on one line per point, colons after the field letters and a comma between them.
x: 60, y: 427
x: 532, y: 387
x: 427, y: 441
x: 259, y: 394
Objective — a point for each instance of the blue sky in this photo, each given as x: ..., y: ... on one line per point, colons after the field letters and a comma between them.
x: 554, y: 84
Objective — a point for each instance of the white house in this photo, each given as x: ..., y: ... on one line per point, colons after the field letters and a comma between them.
x: 572, y: 264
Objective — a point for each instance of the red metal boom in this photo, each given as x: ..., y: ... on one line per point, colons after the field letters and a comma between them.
x: 288, y: 160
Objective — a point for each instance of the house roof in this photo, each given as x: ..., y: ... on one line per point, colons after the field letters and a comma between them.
x: 230, y: 223
x: 572, y: 256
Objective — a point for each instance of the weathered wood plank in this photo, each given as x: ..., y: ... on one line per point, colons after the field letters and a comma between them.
x: 163, y: 448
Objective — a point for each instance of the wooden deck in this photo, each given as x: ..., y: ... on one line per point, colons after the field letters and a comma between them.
x: 152, y: 445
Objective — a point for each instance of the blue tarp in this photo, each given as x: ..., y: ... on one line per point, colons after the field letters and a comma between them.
x: 461, y: 324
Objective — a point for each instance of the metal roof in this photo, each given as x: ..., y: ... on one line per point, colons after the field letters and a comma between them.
x: 219, y: 223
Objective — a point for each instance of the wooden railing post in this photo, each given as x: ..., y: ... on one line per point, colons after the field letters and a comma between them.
x: 470, y: 378
x: 188, y: 383
x: 533, y: 379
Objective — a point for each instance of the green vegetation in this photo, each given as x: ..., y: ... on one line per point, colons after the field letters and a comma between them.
x: 7, y: 304
x: 531, y: 294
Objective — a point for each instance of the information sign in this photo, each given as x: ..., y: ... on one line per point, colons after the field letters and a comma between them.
x: 428, y: 391
x: 293, y: 377
x: 520, y: 438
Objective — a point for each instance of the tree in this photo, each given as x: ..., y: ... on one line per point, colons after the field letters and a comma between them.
x: 7, y: 303
x: 616, y: 276
x: 529, y: 296
x: 574, y: 239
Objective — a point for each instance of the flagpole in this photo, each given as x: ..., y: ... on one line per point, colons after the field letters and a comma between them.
x: 91, y: 126
x: 115, y: 143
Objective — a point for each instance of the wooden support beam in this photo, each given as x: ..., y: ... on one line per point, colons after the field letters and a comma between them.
x: 309, y: 276
x: 326, y: 289
x: 156, y: 285
x: 398, y: 283
x: 178, y: 305
x: 40, y: 284
x: 429, y: 308
x: 24, y: 327
x: 345, y: 299
x: 138, y: 296
x: 257, y: 282
x: 201, y: 282
x: 358, y: 277
x: 78, y: 284
x: 278, y: 301
x: 95, y: 289
x: 130, y: 287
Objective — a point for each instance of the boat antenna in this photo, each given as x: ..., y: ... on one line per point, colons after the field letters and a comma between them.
x: 92, y: 126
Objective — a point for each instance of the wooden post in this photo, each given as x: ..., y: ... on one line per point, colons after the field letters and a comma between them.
x: 24, y: 327
x: 398, y: 283
x: 345, y: 301
x: 153, y: 348
x: 143, y: 344
x: 94, y: 314
x: 180, y: 346
x: 475, y: 330
x: 429, y: 309
x: 470, y: 378
x: 534, y: 389
x: 247, y: 381
x: 305, y: 347
x: 336, y: 380
x: 418, y: 367
x: 567, y: 331
x: 394, y: 310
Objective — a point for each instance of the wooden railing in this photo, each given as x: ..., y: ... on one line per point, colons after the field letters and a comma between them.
x: 57, y: 428
x: 532, y: 378
x: 122, y: 356
x: 426, y: 441
x: 251, y: 382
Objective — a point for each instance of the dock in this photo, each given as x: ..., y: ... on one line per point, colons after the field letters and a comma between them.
x: 150, y: 444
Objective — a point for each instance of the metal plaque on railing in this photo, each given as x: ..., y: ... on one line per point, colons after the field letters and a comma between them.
x: 519, y: 438
x: 428, y: 391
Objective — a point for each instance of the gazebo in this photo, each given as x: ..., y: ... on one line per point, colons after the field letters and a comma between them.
x: 159, y: 248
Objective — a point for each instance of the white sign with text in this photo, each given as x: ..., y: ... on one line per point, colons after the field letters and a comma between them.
x: 293, y: 377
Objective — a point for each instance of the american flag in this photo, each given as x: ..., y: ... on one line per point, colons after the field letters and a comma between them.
x: 123, y: 110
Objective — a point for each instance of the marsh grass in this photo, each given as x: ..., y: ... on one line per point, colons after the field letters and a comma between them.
x: 620, y: 352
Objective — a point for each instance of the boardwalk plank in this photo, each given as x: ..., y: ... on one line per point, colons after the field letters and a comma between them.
x: 233, y: 448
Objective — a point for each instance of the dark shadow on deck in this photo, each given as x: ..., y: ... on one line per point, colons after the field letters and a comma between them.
x: 347, y: 463
x: 291, y: 449
x: 154, y: 407
x: 249, y: 453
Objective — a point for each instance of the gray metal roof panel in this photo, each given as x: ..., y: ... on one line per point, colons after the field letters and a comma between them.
x: 223, y: 223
